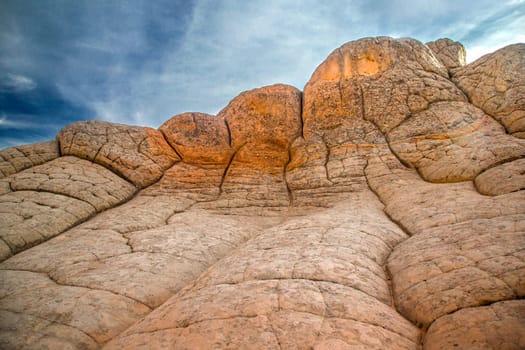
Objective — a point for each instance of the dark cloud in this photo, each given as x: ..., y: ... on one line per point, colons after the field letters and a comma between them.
x: 36, y: 115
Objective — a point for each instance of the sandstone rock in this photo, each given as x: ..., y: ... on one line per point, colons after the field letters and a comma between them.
x: 497, y: 326
x: 138, y: 154
x: 453, y: 141
x: 90, y: 316
x: 263, y: 123
x: 400, y: 87
x: 496, y: 84
x: 465, y: 250
x: 199, y: 138
x: 381, y: 80
x: 15, y: 159
x: 141, y: 252
x: 506, y: 178
x: 76, y: 178
x: 451, y: 53
x: 301, y: 284
x: 346, y: 222
x: 45, y: 200
x: 268, y: 115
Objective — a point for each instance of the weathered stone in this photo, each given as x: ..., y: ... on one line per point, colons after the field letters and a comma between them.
x: 278, y: 224
x: 451, y: 53
x: 505, y: 178
x: 496, y: 84
x: 45, y: 200
x: 453, y: 141
x: 267, y: 115
x: 138, y: 154
x: 466, y: 248
x: 15, y: 159
x: 301, y: 284
x: 199, y: 138
x: 496, y: 326
x: 381, y: 80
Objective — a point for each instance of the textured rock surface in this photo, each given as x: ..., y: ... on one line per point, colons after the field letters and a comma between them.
x: 504, y: 178
x: 451, y: 53
x: 382, y: 208
x: 138, y: 154
x: 466, y: 249
x: 306, y: 283
x: 496, y: 84
x: 43, y: 201
x: 15, y: 159
x: 497, y: 326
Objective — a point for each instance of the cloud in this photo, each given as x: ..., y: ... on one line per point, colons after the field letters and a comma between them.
x: 15, y: 124
x: 14, y: 83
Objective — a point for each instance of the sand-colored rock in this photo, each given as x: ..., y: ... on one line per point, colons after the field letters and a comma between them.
x: 15, y: 159
x: 451, y: 53
x: 496, y: 84
x: 496, y: 326
x: 466, y: 248
x: 90, y: 316
x: 379, y: 209
x: 138, y: 154
x: 199, y: 138
x: 140, y: 253
x: 263, y: 123
x: 505, y: 178
x: 453, y: 141
x: 43, y: 201
x: 402, y: 89
x: 303, y: 284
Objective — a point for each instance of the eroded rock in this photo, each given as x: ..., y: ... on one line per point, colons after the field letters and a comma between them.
x: 45, y: 200
x: 502, y: 179
x: 451, y: 53
x: 496, y: 326
x: 466, y: 248
x: 496, y: 84
x: 15, y: 159
x: 138, y: 154
x: 378, y: 210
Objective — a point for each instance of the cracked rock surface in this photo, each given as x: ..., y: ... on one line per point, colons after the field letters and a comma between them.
x: 383, y: 207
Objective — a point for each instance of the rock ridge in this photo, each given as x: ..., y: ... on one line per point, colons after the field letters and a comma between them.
x: 382, y: 207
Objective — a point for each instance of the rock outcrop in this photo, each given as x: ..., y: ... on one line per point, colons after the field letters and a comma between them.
x: 381, y: 208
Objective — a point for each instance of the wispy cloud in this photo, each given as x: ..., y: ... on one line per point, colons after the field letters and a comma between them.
x: 14, y: 83
x: 15, y: 124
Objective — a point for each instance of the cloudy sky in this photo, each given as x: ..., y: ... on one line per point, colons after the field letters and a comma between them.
x: 141, y: 61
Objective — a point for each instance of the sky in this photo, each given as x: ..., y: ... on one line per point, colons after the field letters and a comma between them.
x: 139, y: 62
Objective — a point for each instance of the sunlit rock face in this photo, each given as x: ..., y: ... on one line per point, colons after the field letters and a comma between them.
x: 382, y: 207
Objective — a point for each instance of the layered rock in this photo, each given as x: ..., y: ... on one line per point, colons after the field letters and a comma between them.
x: 138, y: 154
x: 495, y: 83
x: 313, y: 282
x: 451, y: 53
x: 15, y: 159
x: 465, y: 249
x: 383, y: 208
x: 497, y: 326
x: 43, y: 201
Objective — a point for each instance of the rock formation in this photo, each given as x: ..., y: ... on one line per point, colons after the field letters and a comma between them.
x: 381, y: 208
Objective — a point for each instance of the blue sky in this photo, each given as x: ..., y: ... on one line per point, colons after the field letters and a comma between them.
x: 141, y: 62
